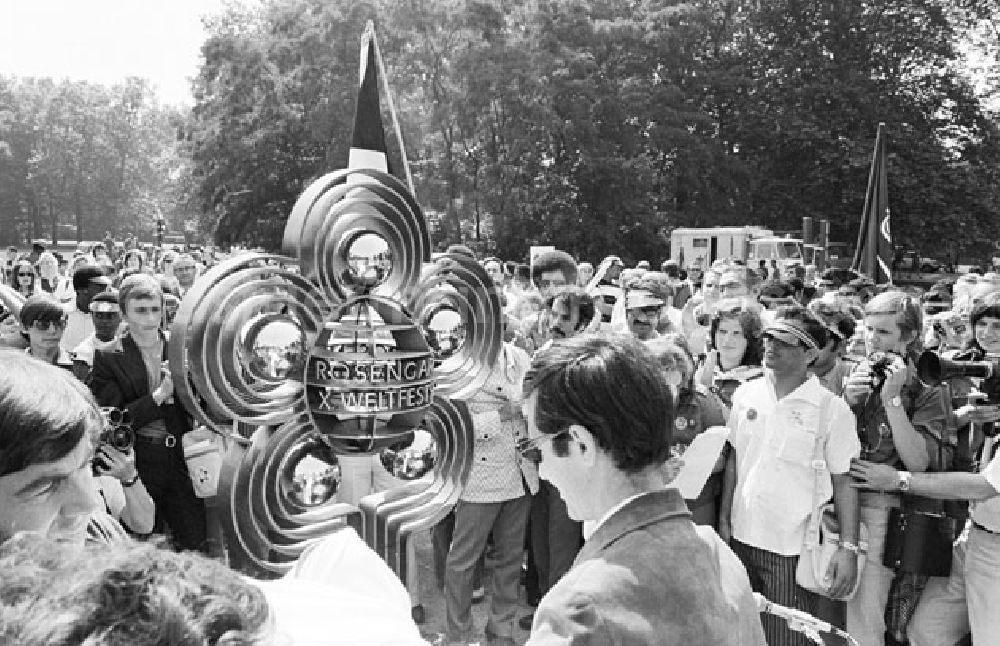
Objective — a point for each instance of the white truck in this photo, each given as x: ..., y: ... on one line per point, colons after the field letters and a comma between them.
x: 700, y: 247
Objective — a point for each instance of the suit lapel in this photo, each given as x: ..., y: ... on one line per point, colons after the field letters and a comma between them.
x: 134, y: 366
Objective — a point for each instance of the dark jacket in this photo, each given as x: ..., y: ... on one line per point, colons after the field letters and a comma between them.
x: 648, y: 575
x: 119, y: 379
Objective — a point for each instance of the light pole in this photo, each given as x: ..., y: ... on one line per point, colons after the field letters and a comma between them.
x: 161, y: 228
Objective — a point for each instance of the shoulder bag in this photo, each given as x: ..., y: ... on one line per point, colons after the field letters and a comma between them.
x: 822, y: 538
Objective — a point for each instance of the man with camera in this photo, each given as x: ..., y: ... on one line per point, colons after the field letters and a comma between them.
x: 969, y: 597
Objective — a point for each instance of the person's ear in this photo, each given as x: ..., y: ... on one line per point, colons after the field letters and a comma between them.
x: 583, y: 445
x: 811, y: 356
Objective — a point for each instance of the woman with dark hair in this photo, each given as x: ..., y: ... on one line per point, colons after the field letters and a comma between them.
x: 696, y: 408
x: 735, y: 348
x: 24, y: 278
x: 902, y: 423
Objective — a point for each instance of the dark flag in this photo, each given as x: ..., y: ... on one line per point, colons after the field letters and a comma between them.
x: 873, y: 257
x: 368, y: 149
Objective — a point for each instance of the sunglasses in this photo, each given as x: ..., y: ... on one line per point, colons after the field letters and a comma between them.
x: 649, y: 310
x: 44, y: 326
x: 551, y: 283
x: 25, y: 275
x: 529, y: 449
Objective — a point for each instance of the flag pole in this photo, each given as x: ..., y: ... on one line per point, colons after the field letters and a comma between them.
x: 866, y: 251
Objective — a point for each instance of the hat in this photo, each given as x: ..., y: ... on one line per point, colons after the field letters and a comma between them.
x: 87, y: 274
x: 791, y: 332
x: 105, y: 302
x: 637, y: 298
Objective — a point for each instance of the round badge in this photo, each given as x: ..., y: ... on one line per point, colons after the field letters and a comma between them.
x: 752, y: 414
x: 883, y: 430
x: 680, y: 423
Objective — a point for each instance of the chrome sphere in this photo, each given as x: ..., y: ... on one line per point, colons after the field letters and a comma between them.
x: 410, y: 459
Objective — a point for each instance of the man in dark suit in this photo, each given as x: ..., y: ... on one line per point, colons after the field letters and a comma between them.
x: 600, y: 413
x: 129, y: 372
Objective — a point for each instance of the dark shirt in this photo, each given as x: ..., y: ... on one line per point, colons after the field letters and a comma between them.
x: 928, y: 409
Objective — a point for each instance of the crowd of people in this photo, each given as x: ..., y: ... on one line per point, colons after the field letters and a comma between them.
x: 606, y: 377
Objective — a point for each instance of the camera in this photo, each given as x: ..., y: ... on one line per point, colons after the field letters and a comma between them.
x: 933, y: 369
x: 880, y: 362
x: 117, y: 433
x: 120, y: 437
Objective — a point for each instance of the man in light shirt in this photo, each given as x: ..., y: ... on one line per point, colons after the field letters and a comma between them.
x: 599, y: 414
x: 88, y: 281
x: 775, y: 426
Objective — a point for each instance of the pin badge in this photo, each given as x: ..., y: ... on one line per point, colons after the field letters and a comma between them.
x: 680, y: 423
x: 751, y: 414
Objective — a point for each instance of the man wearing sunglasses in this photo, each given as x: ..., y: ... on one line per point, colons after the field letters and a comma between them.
x: 107, y: 318
x: 768, y: 494
x: 600, y: 417
x: 644, y: 309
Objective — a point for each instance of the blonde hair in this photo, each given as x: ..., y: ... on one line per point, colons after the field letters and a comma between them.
x: 909, y: 316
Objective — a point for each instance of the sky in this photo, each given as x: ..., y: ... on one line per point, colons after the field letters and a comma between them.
x: 105, y: 41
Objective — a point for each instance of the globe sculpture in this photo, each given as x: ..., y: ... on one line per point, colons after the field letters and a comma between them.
x: 355, y: 342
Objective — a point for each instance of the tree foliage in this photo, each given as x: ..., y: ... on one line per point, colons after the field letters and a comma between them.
x: 594, y: 125
x: 90, y: 157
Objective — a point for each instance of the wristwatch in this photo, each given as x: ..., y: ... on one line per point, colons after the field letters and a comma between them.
x: 129, y: 483
x: 896, y: 401
x: 904, y: 481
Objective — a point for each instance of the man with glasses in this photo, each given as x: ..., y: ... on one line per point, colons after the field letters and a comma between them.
x: 768, y: 494
x: 555, y: 537
x: 43, y: 319
x: 600, y: 416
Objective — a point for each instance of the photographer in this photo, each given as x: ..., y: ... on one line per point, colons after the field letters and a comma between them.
x: 901, y: 422
x: 125, y: 496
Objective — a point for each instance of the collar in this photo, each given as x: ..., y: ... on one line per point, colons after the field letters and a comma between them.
x: 810, y: 390
x: 634, y: 513
x: 63, y: 358
x: 609, y: 513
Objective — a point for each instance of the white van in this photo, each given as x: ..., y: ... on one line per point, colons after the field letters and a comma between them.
x: 700, y: 247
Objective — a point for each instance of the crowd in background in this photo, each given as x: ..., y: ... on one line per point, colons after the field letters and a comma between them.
x: 726, y: 338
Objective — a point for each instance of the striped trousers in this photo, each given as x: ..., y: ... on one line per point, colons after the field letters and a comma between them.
x: 773, y: 576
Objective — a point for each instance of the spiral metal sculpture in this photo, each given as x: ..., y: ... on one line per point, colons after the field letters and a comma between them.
x: 355, y: 342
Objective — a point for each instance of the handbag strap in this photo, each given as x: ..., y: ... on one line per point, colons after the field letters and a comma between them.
x: 819, y: 470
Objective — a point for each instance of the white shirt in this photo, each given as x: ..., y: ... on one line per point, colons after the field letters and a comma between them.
x: 78, y: 327
x: 341, y: 592
x: 775, y: 443
x: 85, y: 351
x: 987, y: 512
